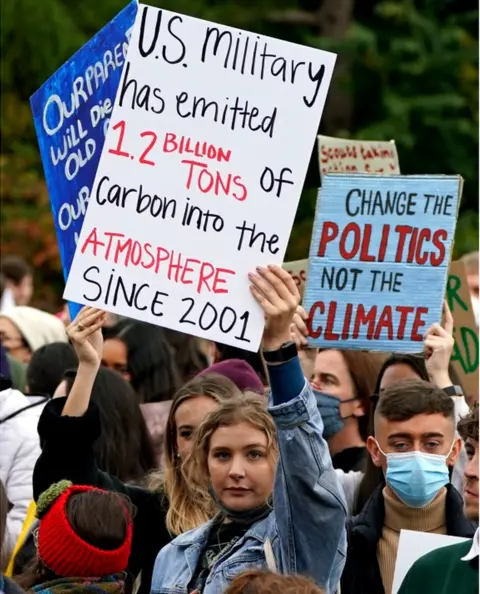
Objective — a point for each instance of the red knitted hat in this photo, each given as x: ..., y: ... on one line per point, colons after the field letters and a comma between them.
x: 66, y: 554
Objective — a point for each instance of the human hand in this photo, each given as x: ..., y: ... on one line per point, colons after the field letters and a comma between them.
x: 299, y: 333
x: 277, y: 294
x: 86, y: 335
x: 438, y: 346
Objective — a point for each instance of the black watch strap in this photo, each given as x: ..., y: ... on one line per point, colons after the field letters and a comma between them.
x: 287, y: 351
x: 453, y: 390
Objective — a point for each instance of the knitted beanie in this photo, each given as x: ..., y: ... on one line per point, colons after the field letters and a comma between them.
x: 36, y: 326
x: 62, y: 550
x: 239, y: 372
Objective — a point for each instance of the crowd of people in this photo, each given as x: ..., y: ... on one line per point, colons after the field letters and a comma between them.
x: 135, y: 458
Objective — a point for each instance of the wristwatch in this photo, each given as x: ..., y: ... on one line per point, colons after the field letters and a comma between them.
x: 453, y: 391
x: 287, y: 351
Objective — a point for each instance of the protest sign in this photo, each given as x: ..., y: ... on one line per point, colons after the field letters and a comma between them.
x: 341, y: 155
x: 211, y: 135
x: 379, y: 258
x: 412, y: 545
x: 465, y: 352
x: 71, y: 112
x: 298, y: 271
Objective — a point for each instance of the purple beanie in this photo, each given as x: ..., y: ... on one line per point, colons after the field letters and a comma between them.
x: 239, y: 372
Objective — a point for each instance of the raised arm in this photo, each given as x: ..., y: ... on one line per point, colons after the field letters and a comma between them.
x: 308, y: 500
x: 69, y: 427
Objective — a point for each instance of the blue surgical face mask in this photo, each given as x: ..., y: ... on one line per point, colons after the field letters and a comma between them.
x: 329, y: 408
x: 416, y: 477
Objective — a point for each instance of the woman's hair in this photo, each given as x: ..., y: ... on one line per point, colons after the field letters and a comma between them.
x: 3, y: 525
x: 255, y: 360
x: 124, y: 447
x: 187, y: 509
x: 373, y: 475
x: 244, y: 408
x: 100, y: 518
x: 14, y: 269
x: 189, y: 356
x: 150, y: 360
x: 264, y: 582
x: 47, y: 367
x: 363, y: 368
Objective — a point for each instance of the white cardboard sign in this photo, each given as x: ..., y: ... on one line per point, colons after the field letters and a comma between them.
x: 200, y: 175
x: 412, y: 545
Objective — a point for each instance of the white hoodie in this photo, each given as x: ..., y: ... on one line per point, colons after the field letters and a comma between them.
x: 19, y: 450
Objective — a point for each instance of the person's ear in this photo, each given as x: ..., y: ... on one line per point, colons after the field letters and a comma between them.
x: 456, y: 449
x: 359, y: 410
x: 374, y: 451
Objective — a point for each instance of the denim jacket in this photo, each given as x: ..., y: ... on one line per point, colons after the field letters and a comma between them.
x: 306, y: 530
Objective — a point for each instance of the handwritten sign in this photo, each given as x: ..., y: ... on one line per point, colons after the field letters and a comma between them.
x: 200, y: 176
x: 466, y: 350
x: 340, y: 155
x: 379, y: 258
x: 298, y: 271
x: 71, y: 112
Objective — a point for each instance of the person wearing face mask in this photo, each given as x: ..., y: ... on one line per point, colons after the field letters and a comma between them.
x: 453, y: 568
x: 414, y: 443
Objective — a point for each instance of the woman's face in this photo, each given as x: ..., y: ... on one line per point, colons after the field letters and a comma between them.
x: 13, y: 342
x: 397, y: 373
x: 241, y: 466
x: 188, y: 417
x: 115, y: 357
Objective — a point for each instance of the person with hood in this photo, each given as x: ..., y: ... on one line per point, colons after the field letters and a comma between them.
x: 24, y: 329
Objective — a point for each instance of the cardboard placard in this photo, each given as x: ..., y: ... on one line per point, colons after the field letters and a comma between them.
x: 298, y: 270
x: 71, y: 112
x: 201, y: 174
x: 466, y: 350
x: 341, y: 155
x: 379, y: 259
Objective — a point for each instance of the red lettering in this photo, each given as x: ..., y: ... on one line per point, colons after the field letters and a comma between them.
x: 403, y: 231
x: 383, y: 243
x: 170, y: 140
x: 418, y: 323
x: 411, y: 247
x: 136, y: 254
x: 146, y: 248
x: 346, y: 321
x: 329, y: 333
x: 92, y: 239
x: 237, y: 182
x: 364, y: 255
x: 357, y: 236
x: 111, y: 235
x: 190, y: 172
x: 186, y: 270
x: 438, y: 236
x: 120, y: 248
x: 205, y: 276
x: 162, y: 256
x: 329, y: 233
x: 385, y: 323
x: 174, y: 267
x: 365, y: 318
x: 403, y: 310
x: 221, y: 281
x: 210, y: 181
x: 321, y: 308
x: 421, y: 258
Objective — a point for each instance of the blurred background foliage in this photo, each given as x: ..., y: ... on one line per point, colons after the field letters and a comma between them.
x: 407, y: 70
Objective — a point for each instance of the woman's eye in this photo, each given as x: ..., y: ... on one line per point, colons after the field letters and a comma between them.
x: 222, y: 455
x: 186, y: 434
x: 255, y: 455
x: 470, y: 453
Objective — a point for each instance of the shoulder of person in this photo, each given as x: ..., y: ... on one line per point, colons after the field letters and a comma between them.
x: 442, y: 557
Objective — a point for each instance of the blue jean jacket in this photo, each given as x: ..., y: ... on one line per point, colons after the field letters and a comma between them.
x: 307, y: 527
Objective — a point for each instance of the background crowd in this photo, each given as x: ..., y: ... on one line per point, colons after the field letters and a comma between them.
x: 135, y: 458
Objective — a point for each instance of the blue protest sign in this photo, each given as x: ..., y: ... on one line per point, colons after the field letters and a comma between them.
x: 379, y: 260
x: 71, y: 111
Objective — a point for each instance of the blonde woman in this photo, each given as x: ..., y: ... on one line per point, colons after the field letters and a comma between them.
x: 271, y: 475
x: 69, y: 427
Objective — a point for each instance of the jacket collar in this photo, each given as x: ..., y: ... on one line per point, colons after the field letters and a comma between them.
x: 369, y: 522
x: 199, y: 536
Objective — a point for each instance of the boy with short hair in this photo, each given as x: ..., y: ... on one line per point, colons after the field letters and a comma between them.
x: 453, y: 568
x: 415, y: 443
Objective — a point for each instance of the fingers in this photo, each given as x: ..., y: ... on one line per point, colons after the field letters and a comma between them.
x: 448, y: 318
x: 299, y: 319
x: 88, y: 321
x: 437, y: 330
x: 276, y: 286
